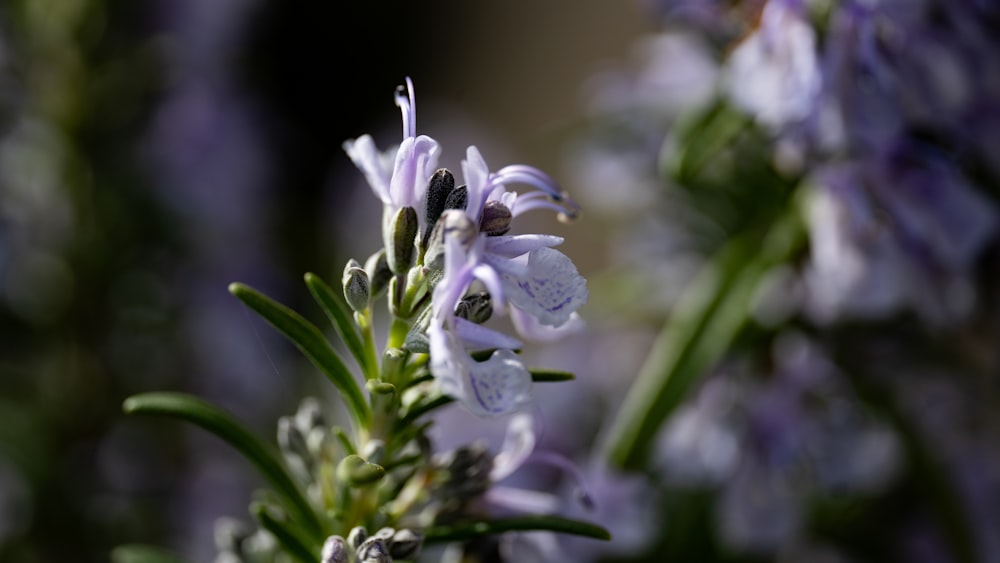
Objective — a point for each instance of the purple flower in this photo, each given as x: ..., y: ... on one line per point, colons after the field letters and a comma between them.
x: 541, y: 285
x: 398, y: 177
x: 774, y: 73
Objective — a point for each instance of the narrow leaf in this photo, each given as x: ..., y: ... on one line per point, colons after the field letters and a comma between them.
x: 468, y: 530
x: 289, y: 538
x: 222, y: 424
x: 311, y: 342
x: 139, y: 553
x: 342, y: 318
x: 712, y: 312
x: 542, y: 375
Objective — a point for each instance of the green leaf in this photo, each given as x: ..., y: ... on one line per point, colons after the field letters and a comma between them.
x: 290, y: 539
x: 311, y: 342
x: 139, y: 553
x: 710, y: 315
x: 342, y: 318
x: 213, y: 419
x: 468, y: 530
x: 542, y: 375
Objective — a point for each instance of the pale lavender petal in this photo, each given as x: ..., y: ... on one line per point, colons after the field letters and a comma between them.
x: 415, y: 162
x: 518, y: 444
x: 372, y: 163
x: 529, y: 327
x: 494, y: 284
x: 522, y: 500
x: 479, y: 337
x: 551, y: 290
x: 497, y: 386
x: 477, y: 175
x: 511, y: 246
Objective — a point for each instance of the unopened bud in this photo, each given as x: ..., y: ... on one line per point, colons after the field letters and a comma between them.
x: 290, y: 438
x: 355, y: 471
x: 379, y: 274
x: 457, y: 199
x: 405, y: 544
x: 477, y: 308
x: 335, y: 550
x: 416, y: 339
x: 357, y: 536
x: 495, y: 219
x: 356, y: 287
x: 374, y: 451
x: 441, y: 185
x: 385, y: 534
x: 401, y: 241
x: 453, y: 223
x: 309, y: 415
x: 374, y: 551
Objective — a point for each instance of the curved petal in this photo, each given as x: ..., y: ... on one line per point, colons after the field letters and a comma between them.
x: 551, y: 289
x: 373, y: 164
x: 497, y: 386
x: 518, y: 444
x: 478, y: 337
x: 476, y: 174
x: 416, y: 159
x: 528, y: 327
x: 511, y: 246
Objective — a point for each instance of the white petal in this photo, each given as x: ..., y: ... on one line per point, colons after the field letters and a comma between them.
x: 516, y: 245
x: 529, y: 327
x: 517, y: 446
x: 551, y: 289
x: 523, y: 500
x: 499, y: 385
x: 372, y: 164
x: 476, y: 174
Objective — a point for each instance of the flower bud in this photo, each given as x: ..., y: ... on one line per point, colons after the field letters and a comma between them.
x: 441, y: 185
x: 495, y: 219
x: 356, y: 287
x: 290, y: 439
x: 457, y: 199
x: 379, y: 274
x: 405, y: 544
x: 453, y: 223
x: 477, y: 308
x: 374, y: 551
x: 309, y: 415
x: 357, y: 536
x: 355, y: 471
x: 335, y: 550
x: 374, y: 451
x: 401, y: 241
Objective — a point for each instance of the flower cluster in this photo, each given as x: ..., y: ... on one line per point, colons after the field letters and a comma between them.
x: 458, y: 237
x: 450, y: 261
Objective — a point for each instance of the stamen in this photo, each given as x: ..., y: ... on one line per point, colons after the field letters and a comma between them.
x: 407, y: 102
x: 568, y: 209
x: 560, y: 461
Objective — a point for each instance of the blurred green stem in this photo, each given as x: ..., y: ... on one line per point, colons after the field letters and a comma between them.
x: 712, y: 311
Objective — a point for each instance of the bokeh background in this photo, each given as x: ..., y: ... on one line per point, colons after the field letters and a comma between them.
x: 802, y: 196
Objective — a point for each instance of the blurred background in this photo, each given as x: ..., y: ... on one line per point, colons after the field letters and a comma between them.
x: 790, y: 235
